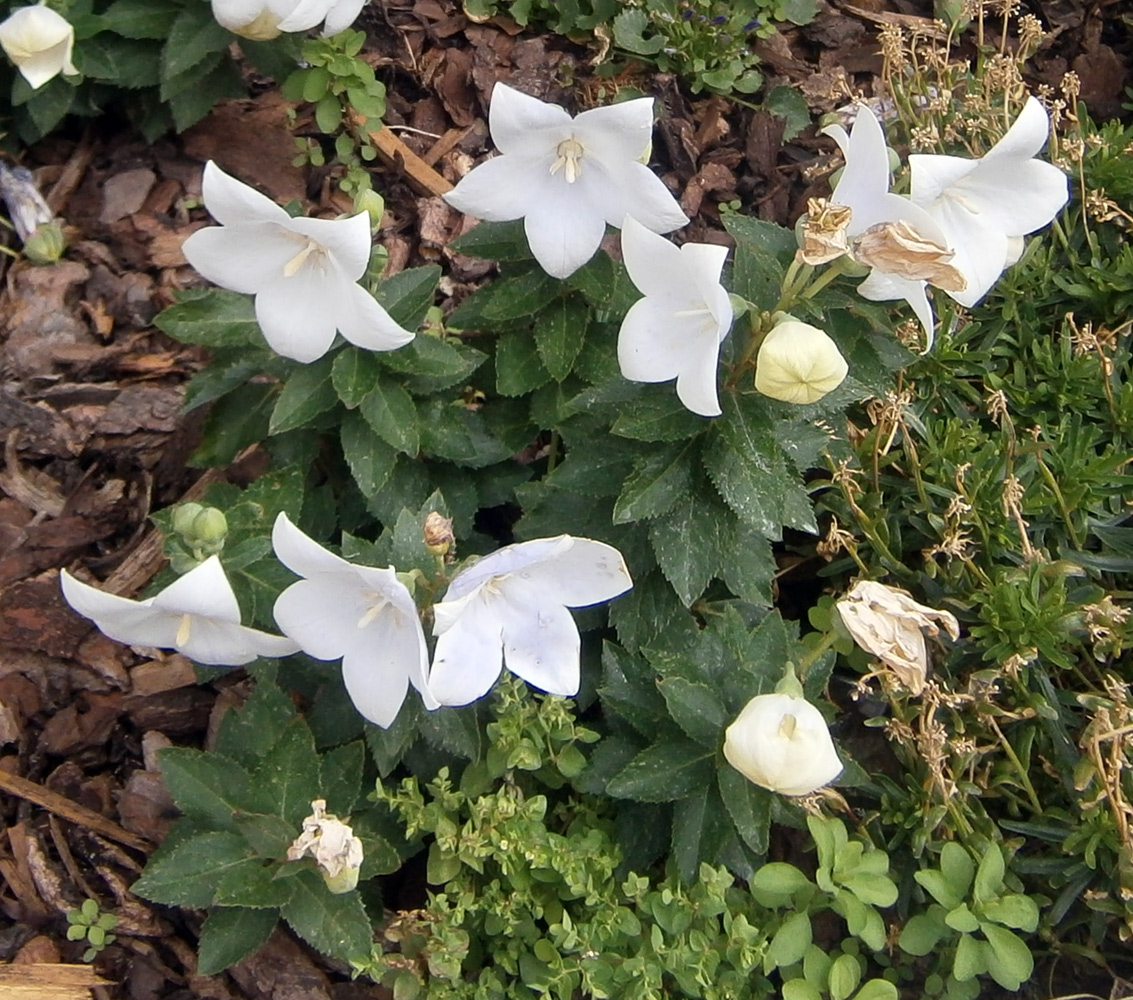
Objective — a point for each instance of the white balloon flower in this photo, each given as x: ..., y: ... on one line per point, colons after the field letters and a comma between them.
x: 39, y: 41
x: 363, y: 614
x: 798, y: 363
x: 984, y: 206
x: 511, y: 608
x: 677, y: 329
x: 782, y: 743
x: 263, y: 20
x: 567, y: 177
x: 196, y: 615
x: 303, y: 272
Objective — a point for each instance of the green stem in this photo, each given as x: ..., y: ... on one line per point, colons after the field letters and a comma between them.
x: 553, y: 452
x: 804, y: 663
x: 1008, y: 749
x: 1052, y: 485
x: 835, y: 270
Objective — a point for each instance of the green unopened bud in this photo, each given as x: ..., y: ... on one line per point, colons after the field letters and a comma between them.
x: 183, y: 517
x: 210, y: 526
x: 46, y: 244
x: 790, y: 685
x: 371, y: 202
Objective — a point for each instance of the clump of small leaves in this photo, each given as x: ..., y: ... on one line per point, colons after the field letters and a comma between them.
x: 88, y: 923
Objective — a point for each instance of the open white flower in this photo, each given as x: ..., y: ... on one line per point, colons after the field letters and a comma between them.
x: 888, y: 623
x: 303, y: 272
x: 363, y: 614
x: 567, y: 177
x: 677, y: 329
x: 782, y: 743
x: 263, y: 20
x: 864, y: 189
x: 798, y: 363
x: 511, y: 607
x: 39, y: 42
x: 983, y: 206
x: 196, y: 615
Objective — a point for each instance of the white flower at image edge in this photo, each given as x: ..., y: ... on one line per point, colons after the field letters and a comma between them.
x: 864, y: 189
x: 362, y: 614
x: 783, y: 744
x: 985, y: 206
x: 39, y: 42
x: 197, y: 615
x: 303, y: 272
x: 263, y: 20
x: 567, y: 177
x: 677, y: 329
x: 511, y: 608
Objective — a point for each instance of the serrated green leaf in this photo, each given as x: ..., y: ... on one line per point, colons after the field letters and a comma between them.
x: 459, y: 435
x: 194, y: 34
x: 208, y: 786
x: 289, y: 773
x: 658, y: 416
x: 628, y: 689
x: 246, y: 733
x: 518, y: 368
x: 406, y: 296
x: 696, y: 708
x: 506, y: 299
x: 748, y: 565
x: 211, y: 317
x: 340, y: 777
x: 371, y: 460
x: 140, y: 18
x: 230, y: 934
x: 354, y: 373
x: 688, y: 542
x: 391, y: 413
x: 560, y: 331
x: 268, y: 833
x: 188, y: 873
x: 664, y: 772
x: 336, y: 925
x: 748, y: 806
x: 659, y: 480
x: 307, y: 393
x: 503, y: 241
x: 253, y: 884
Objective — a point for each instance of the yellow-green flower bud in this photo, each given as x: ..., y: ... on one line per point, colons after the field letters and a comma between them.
x: 46, y: 244
x: 798, y: 363
x: 183, y: 517
x: 210, y: 526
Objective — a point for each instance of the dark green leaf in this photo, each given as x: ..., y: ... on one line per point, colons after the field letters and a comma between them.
x: 211, y: 317
x: 195, y: 33
x: 253, y: 884
x: 696, y: 708
x: 140, y: 18
x: 335, y: 925
x: 664, y: 772
x: 628, y: 689
x: 658, y: 415
x: 452, y: 431
x: 289, y: 773
x: 340, y: 772
x: 354, y: 373
x: 494, y: 241
x: 747, y: 804
x: 407, y: 296
x: 209, y: 786
x: 391, y: 413
x: 659, y: 480
x: 188, y: 873
x: 688, y: 542
x: 371, y: 460
x: 518, y: 368
x: 560, y: 331
x: 230, y: 934
x: 307, y: 393
x: 245, y: 733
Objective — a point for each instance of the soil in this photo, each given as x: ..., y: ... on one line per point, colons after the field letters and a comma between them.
x: 94, y: 439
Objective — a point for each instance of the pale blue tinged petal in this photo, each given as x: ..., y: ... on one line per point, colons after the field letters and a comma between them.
x: 523, y: 124
x: 243, y: 258
x: 509, y: 559
x: 654, y: 345
x: 503, y: 188
x: 619, y: 131
x: 302, y: 554
x: 297, y: 315
x: 231, y: 202
x: 322, y: 614
x: 1027, y: 135
x: 541, y: 642
x: 468, y: 657
x: 204, y: 590
x: 563, y: 233
x: 362, y: 320
x: 655, y: 265
x: 347, y: 240
x: 583, y: 573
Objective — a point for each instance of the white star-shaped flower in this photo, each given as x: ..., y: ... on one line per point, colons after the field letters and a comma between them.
x: 263, y: 20
x: 196, y: 615
x: 864, y: 189
x: 567, y: 177
x: 511, y: 608
x: 303, y: 272
x: 39, y: 42
x: 363, y: 614
x: 985, y: 205
x: 677, y: 329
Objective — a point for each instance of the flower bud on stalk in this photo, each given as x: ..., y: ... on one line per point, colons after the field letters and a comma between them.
x: 798, y: 363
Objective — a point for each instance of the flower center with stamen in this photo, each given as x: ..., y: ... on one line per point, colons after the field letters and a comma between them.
x: 379, y: 605
x: 310, y: 246
x: 787, y: 726
x: 569, y: 159
x: 183, y: 630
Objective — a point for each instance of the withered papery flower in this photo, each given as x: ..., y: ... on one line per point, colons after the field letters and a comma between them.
x: 898, y: 249
x: 824, y: 232
x: 889, y: 624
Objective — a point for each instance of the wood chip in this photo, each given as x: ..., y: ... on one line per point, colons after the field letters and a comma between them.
x: 417, y: 171
x: 48, y: 982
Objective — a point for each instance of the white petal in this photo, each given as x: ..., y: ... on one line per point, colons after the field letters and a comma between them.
x: 563, y: 232
x: 305, y: 15
x: 541, y: 642
x: 468, y: 657
x: 705, y: 263
x: 865, y: 178
x: 626, y: 187
x: 380, y: 662
x: 1017, y: 196
x: 522, y: 124
x: 619, y: 131
x: 1027, y: 135
x: 302, y: 554
x: 655, y: 265
x: 297, y: 315
x: 696, y: 384
x: 582, y: 573
x: 881, y: 287
x: 233, y: 14
x: 980, y: 252
x: 347, y: 240
x: 502, y: 562
x: 134, y: 623
x: 503, y: 188
x: 322, y: 614
x: 361, y: 319
x: 48, y: 64
x: 222, y: 644
x: 930, y: 175
x: 204, y: 590
x: 342, y: 15
x: 653, y: 343
x: 242, y: 258
x: 230, y: 202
